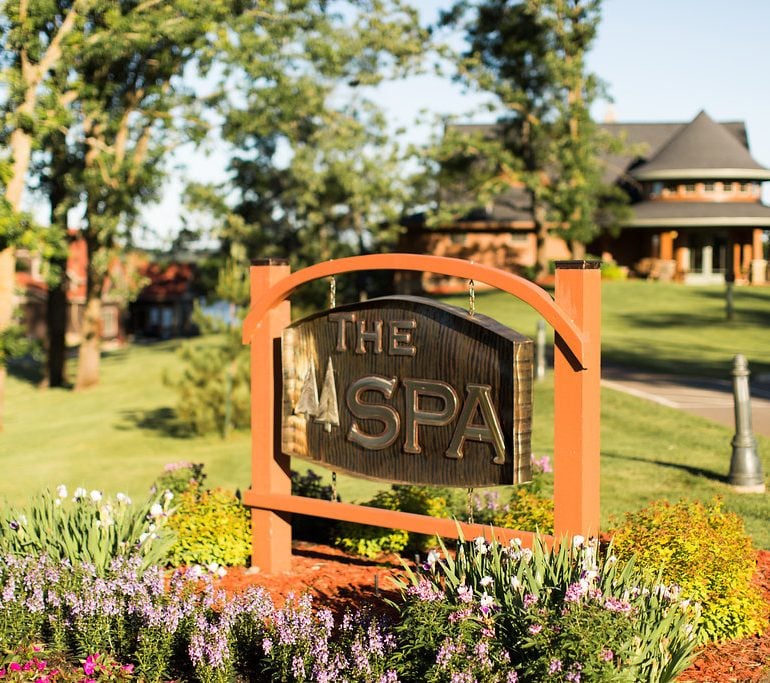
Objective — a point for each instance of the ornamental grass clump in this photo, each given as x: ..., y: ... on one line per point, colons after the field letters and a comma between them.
x: 499, y: 614
x: 89, y: 527
x: 707, y: 553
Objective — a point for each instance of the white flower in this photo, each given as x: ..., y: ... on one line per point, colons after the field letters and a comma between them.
x: 515, y: 542
x: 57, y: 502
x: 481, y: 545
x: 612, y: 559
x: 486, y: 581
x: 515, y: 583
x: 486, y: 602
x: 221, y: 572
x: 433, y: 557
x: 123, y: 499
x: 156, y: 510
x: 212, y: 567
x: 168, y: 496
x: 96, y: 496
x: 61, y: 491
x: 143, y: 537
x: 195, y: 572
x: 79, y: 494
x: 578, y: 541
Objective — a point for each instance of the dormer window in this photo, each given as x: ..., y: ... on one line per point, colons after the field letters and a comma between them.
x: 708, y: 187
x: 689, y: 188
x: 727, y: 186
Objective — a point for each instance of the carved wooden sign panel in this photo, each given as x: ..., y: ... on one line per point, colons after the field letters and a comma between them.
x: 408, y: 390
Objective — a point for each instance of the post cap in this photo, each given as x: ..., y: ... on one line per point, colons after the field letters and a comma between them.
x: 270, y: 262
x: 579, y: 264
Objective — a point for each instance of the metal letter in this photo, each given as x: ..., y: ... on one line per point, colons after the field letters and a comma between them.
x: 491, y: 432
x: 368, y: 411
x: 400, y: 339
x: 341, y: 319
x: 415, y: 388
x: 374, y: 336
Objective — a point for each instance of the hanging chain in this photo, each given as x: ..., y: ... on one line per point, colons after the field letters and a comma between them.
x: 334, y: 487
x: 470, y: 505
x: 471, y: 298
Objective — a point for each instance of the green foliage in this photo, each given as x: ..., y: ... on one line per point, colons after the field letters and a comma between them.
x: 559, y: 615
x: 706, y: 552
x: 527, y: 511
x: 178, y: 477
x: 88, y: 528
x: 213, y: 387
x: 612, y: 271
x: 306, y: 527
x: 14, y: 343
x: 370, y: 541
x: 212, y: 527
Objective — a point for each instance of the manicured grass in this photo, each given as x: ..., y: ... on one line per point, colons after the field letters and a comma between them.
x: 663, y: 327
x: 118, y: 436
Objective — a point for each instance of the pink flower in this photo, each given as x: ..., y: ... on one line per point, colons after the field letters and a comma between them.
x: 14, y: 666
x: 89, y: 666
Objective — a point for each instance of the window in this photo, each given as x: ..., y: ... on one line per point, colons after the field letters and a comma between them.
x: 727, y: 185
x: 657, y: 188
x: 708, y: 187
x: 689, y: 188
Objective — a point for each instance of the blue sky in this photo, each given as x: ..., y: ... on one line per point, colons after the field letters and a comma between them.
x: 662, y: 60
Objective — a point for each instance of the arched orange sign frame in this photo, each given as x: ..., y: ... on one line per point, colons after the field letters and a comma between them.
x: 575, y: 315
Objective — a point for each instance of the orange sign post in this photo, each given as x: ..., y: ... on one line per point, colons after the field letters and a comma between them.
x: 574, y: 314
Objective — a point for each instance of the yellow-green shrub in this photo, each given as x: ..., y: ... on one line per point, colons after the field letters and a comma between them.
x: 707, y: 553
x: 370, y: 541
x: 527, y: 511
x: 211, y: 526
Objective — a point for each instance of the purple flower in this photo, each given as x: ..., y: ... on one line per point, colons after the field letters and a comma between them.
x: 464, y: 593
x: 425, y: 591
x: 554, y: 666
x: 606, y: 655
x: 534, y: 629
x: 530, y: 599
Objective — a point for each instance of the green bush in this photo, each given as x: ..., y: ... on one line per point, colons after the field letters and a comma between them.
x: 177, y: 477
x: 527, y: 511
x: 707, y: 553
x: 212, y: 527
x: 498, y: 613
x: 612, y: 271
x: 89, y: 528
x: 370, y: 541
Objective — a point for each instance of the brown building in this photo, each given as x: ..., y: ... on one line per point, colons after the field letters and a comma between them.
x: 696, y: 211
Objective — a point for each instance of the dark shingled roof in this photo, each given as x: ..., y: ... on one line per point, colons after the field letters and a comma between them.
x: 682, y: 214
x: 702, y: 149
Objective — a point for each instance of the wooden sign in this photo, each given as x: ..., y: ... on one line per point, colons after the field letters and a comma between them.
x: 408, y: 390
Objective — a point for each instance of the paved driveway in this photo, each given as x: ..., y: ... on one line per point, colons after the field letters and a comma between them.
x: 712, y: 399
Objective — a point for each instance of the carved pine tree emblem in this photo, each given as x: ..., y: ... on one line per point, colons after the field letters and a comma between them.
x: 328, y: 411
x: 308, y: 398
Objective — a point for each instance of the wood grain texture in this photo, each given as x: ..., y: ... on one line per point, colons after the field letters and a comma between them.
x: 420, y: 340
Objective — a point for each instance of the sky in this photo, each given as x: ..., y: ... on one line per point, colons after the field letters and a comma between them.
x: 661, y: 60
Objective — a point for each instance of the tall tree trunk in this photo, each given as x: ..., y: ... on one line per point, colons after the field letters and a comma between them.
x: 89, y: 354
x: 56, y: 324
x: 577, y: 249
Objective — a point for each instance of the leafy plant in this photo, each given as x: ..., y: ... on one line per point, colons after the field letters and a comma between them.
x: 527, y: 511
x: 88, y: 528
x: 504, y: 613
x: 306, y: 527
x: 707, y: 552
x: 177, y: 477
x: 369, y: 541
x: 211, y: 527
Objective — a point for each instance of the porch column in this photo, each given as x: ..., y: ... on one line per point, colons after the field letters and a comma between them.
x: 667, y: 262
x: 758, y: 262
x: 736, y: 261
x: 682, y: 256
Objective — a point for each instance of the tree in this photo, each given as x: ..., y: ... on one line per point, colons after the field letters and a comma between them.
x: 131, y: 110
x: 33, y: 35
x: 531, y: 56
x: 314, y: 173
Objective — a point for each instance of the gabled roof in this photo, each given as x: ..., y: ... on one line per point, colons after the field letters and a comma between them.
x: 702, y: 150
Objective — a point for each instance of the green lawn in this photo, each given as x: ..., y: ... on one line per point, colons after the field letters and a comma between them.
x: 118, y: 436
x: 663, y: 327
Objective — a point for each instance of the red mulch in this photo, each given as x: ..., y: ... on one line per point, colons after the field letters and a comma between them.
x: 339, y: 581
